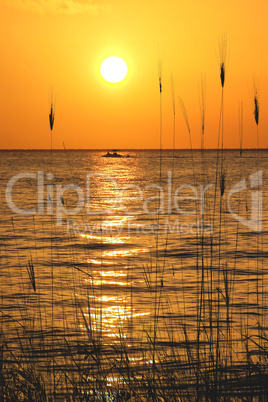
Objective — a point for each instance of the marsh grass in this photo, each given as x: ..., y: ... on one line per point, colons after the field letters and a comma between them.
x: 188, y: 364
x: 30, y: 270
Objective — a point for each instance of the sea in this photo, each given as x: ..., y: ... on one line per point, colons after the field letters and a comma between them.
x: 138, y: 258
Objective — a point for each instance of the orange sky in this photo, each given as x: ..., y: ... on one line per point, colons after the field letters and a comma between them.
x: 61, y: 43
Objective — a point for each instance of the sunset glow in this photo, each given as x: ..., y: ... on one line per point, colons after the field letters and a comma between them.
x: 63, y: 44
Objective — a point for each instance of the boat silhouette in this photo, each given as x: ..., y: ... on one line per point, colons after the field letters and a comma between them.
x: 114, y: 155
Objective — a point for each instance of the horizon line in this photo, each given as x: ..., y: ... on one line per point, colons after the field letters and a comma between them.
x: 130, y: 149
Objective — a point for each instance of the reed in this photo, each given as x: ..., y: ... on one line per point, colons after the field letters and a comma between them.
x: 160, y: 68
x: 259, y: 270
x: 256, y: 110
x: 51, y: 125
x: 240, y: 126
x: 202, y: 105
x: 174, y: 123
x: 30, y: 270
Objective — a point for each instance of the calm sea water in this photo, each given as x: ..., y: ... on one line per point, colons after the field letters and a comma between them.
x: 118, y: 249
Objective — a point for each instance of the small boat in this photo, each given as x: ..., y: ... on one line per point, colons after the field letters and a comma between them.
x: 112, y: 155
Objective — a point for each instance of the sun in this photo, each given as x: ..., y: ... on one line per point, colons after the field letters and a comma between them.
x: 113, y: 69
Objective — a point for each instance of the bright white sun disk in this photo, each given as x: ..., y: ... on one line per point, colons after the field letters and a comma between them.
x: 114, y: 69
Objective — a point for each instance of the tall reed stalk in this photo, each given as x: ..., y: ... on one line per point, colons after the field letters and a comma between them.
x: 240, y: 127
x: 256, y: 113
x: 201, y: 290
x: 202, y: 105
x: 51, y: 124
x: 174, y: 124
x: 222, y: 51
x: 160, y: 65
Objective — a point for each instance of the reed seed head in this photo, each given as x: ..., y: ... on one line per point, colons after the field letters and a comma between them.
x: 222, y: 53
x: 256, y: 108
x: 160, y: 85
x: 222, y: 183
x: 159, y: 66
x: 51, y: 117
x: 222, y: 74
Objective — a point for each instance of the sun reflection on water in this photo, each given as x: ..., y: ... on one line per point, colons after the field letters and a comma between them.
x: 124, y: 253
x: 111, y: 273
x: 109, y: 320
x: 97, y: 262
x: 98, y: 282
x: 114, y: 299
x: 106, y: 239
